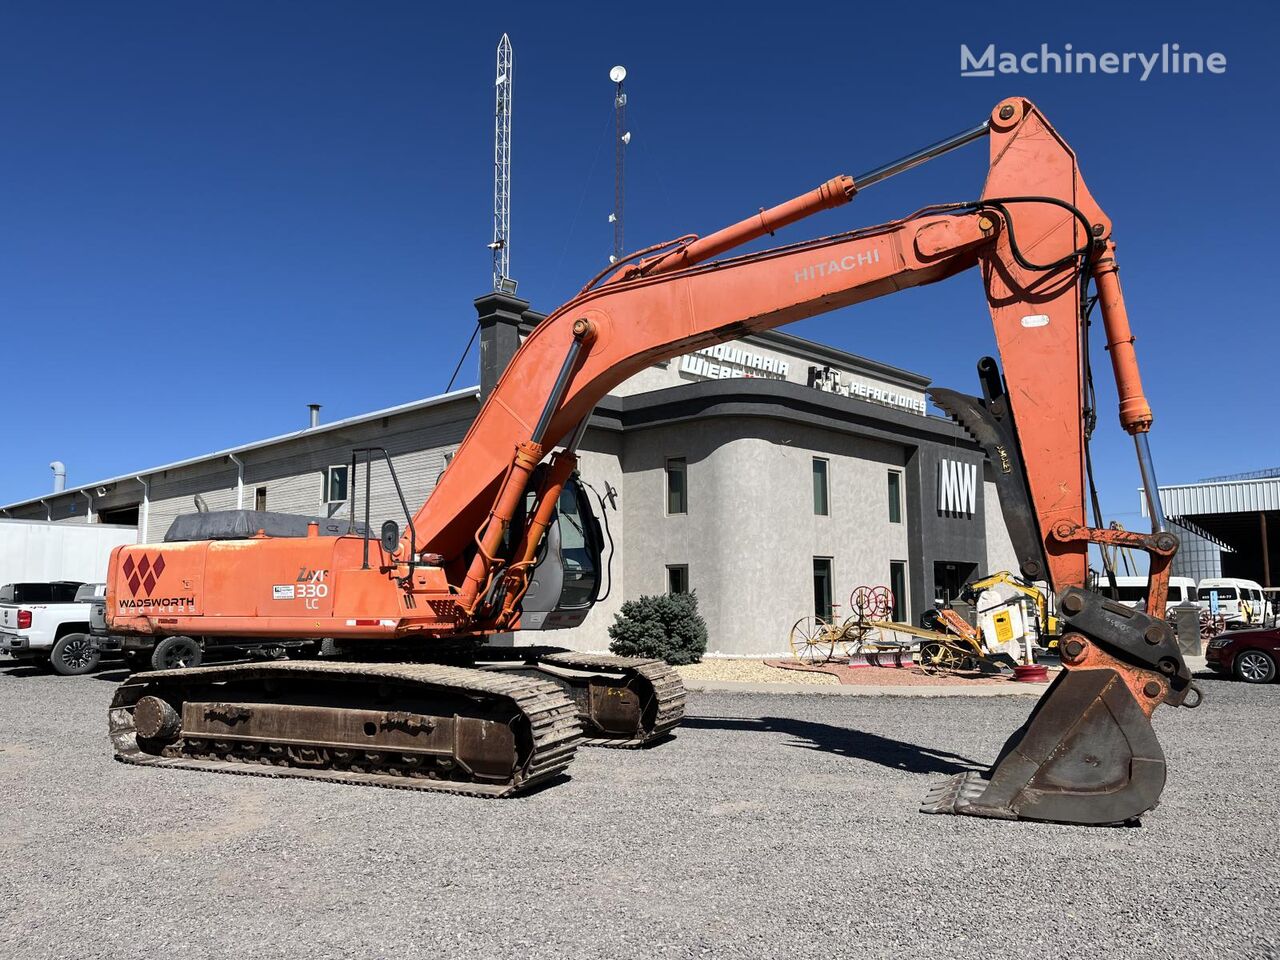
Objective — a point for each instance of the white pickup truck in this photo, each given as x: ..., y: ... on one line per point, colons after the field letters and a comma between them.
x: 48, y: 624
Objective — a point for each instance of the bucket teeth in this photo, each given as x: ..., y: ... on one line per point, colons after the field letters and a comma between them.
x: 962, y: 409
x: 954, y: 793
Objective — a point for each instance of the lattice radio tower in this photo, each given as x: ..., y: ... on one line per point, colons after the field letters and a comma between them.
x: 622, y: 137
x: 501, y: 245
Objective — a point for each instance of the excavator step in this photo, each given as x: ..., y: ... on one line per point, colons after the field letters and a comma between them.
x: 623, y: 702
x: 398, y: 725
x: 1086, y: 755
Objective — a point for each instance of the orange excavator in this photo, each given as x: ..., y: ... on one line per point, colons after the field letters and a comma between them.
x: 508, y: 540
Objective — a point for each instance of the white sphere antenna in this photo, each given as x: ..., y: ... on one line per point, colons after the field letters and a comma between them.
x: 618, y: 74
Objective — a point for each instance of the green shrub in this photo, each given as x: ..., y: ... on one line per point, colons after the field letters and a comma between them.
x: 666, y: 627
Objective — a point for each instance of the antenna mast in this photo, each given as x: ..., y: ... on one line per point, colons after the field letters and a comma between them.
x: 501, y: 245
x: 622, y: 136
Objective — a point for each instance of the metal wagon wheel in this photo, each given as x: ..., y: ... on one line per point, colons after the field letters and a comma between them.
x: 871, y: 603
x: 855, y: 636
x: 1210, y: 626
x: 936, y: 658
x: 811, y: 641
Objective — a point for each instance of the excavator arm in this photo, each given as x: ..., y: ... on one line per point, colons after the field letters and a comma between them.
x: 1088, y: 754
x: 1037, y: 237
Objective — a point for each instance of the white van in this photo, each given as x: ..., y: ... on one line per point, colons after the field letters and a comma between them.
x: 1133, y: 590
x: 1236, y: 599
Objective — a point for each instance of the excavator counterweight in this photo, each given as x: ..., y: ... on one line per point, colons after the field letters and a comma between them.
x: 509, y: 541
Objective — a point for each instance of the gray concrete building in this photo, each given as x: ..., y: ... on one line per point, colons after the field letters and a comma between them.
x: 772, y: 475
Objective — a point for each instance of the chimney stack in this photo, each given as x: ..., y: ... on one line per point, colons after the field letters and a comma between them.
x: 315, y: 415
x: 59, y: 475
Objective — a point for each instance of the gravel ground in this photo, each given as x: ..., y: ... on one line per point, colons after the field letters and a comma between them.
x: 772, y: 826
x: 738, y: 670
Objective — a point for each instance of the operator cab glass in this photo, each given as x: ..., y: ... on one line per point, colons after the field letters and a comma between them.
x: 579, y: 558
x: 566, y: 578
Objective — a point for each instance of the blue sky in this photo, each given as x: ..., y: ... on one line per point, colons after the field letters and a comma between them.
x: 213, y: 214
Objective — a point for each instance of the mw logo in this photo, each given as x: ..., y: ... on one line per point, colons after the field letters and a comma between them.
x: 957, y: 488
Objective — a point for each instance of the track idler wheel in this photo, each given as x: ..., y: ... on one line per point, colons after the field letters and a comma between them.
x: 622, y: 701
x: 1088, y: 753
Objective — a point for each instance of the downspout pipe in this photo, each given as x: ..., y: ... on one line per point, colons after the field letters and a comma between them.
x: 144, y: 515
x: 88, y: 516
x: 239, y: 480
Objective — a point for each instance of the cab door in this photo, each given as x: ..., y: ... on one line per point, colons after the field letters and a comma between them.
x: 566, y: 580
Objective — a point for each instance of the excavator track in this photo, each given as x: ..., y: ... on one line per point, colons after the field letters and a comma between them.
x: 395, y: 725
x: 623, y: 702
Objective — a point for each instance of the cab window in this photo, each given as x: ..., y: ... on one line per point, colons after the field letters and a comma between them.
x: 578, y: 555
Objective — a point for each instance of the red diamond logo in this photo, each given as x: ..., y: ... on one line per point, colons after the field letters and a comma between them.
x: 144, y: 574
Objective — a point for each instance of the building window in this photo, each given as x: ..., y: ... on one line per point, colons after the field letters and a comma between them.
x: 895, y: 496
x: 335, y: 484
x: 677, y: 578
x: 821, y: 495
x: 677, y: 486
x: 260, y: 498
x: 898, y: 584
x: 822, y: 587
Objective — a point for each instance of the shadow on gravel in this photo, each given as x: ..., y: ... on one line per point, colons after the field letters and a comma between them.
x: 23, y: 670
x: 1213, y: 676
x: 111, y: 674
x: 895, y: 754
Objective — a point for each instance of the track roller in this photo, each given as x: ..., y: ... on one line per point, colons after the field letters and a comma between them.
x: 409, y: 726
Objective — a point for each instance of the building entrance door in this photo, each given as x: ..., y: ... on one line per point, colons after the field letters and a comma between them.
x: 949, y: 578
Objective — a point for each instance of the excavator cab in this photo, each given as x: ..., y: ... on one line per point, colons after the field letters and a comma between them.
x: 566, y: 578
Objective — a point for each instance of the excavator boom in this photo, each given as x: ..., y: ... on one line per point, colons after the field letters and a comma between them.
x: 464, y: 566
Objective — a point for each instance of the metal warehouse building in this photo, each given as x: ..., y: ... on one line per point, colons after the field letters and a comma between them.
x: 1230, y: 526
x: 771, y: 475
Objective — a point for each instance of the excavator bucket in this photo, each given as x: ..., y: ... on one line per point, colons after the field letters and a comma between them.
x: 1087, y: 754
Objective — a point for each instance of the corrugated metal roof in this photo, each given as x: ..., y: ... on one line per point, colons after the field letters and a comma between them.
x: 245, y: 448
x: 1229, y: 496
